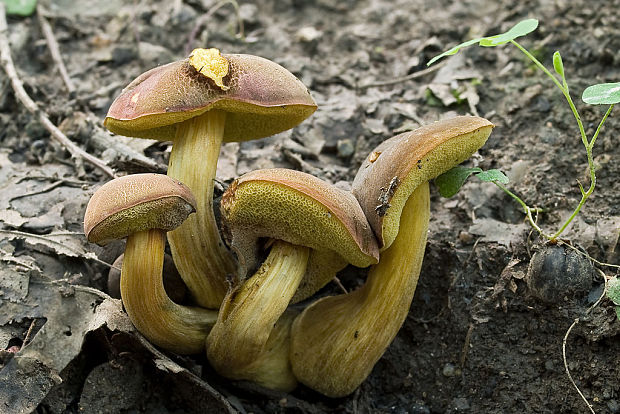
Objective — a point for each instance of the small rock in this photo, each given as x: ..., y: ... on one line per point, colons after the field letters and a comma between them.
x: 449, y: 370
x: 308, y: 34
x: 345, y: 148
x: 461, y: 404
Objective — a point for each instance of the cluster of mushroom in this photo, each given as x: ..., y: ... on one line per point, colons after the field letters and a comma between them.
x: 242, y: 312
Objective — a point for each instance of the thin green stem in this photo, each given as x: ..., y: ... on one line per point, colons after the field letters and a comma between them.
x: 564, y: 90
x: 588, y: 145
x: 600, y: 125
x: 586, y: 194
x: 526, y: 209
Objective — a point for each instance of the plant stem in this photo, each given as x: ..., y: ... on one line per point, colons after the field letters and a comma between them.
x: 588, y: 145
x: 526, y: 209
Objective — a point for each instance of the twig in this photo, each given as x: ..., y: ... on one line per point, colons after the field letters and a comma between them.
x: 466, y: 344
x: 79, y: 253
x: 411, y: 76
x: 48, y: 188
x: 205, y: 17
x: 29, y: 333
x: 52, y: 44
x: 22, y: 96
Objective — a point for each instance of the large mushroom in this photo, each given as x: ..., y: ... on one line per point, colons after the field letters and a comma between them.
x: 336, y: 341
x: 198, y: 103
x: 308, y: 222
x: 142, y: 208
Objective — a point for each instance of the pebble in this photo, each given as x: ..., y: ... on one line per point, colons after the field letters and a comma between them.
x: 345, y: 148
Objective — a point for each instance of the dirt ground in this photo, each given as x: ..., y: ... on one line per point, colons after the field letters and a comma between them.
x: 475, y: 340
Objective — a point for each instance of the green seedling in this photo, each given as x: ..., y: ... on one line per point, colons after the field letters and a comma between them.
x: 600, y: 94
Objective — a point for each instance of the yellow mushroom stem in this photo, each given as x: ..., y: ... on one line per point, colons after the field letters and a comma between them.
x: 197, y: 248
x: 272, y: 367
x: 337, y: 340
x: 177, y: 328
x: 248, y: 314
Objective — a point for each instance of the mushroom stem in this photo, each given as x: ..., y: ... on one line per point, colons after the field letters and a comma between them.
x: 250, y: 311
x: 272, y: 367
x: 337, y: 340
x: 177, y: 328
x: 197, y: 249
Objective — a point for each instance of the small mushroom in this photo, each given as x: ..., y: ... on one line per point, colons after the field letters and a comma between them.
x: 309, y: 222
x: 142, y: 208
x: 198, y: 103
x: 336, y: 341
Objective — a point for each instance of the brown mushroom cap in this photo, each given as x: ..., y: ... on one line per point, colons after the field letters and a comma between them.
x: 298, y: 208
x: 136, y: 203
x: 395, y: 168
x: 261, y: 98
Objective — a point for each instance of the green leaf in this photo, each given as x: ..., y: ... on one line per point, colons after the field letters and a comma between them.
x: 613, y: 290
x: 492, y: 176
x: 454, y: 50
x: 20, y: 7
x: 558, y: 65
x: 520, y: 29
x: 602, y: 94
x: 450, y: 182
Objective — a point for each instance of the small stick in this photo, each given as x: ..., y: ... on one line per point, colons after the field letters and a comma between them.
x: 50, y: 187
x: 22, y: 96
x: 411, y: 76
x: 466, y: 345
x: 29, y: 333
x: 52, y: 44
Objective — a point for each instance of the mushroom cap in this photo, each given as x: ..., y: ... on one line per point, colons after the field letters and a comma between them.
x: 298, y: 208
x: 260, y: 97
x: 397, y: 166
x: 135, y: 203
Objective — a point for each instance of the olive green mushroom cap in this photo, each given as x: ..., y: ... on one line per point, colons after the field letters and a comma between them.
x: 136, y: 203
x: 396, y: 167
x: 260, y: 97
x: 300, y: 209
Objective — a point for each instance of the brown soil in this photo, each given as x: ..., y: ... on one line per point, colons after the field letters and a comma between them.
x: 475, y: 340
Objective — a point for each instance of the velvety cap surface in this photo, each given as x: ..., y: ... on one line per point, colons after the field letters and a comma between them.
x: 261, y: 98
x: 397, y: 166
x: 136, y: 203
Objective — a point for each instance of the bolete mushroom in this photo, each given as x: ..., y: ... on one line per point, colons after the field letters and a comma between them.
x: 142, y: 208
x: 308, y: 222
x: 336, y: 341
x: 198, y: 103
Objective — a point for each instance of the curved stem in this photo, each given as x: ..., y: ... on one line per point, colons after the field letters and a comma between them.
x: 197, y: 248
x: 177, y: 328
x: 249, y: 312
x: 337, y: 340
